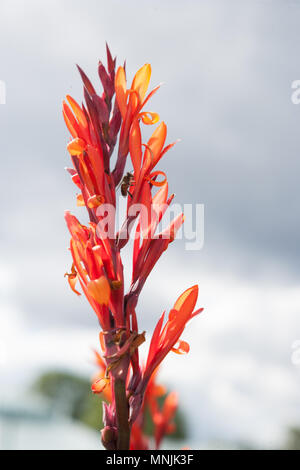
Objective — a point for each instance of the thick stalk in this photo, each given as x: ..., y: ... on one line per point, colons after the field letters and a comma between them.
x: 122, y: 414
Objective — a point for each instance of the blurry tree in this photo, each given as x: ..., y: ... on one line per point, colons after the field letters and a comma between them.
x: 293, y: 439
x: 71, y: 395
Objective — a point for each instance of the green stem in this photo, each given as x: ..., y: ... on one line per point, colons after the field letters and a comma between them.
x: 122, y: 415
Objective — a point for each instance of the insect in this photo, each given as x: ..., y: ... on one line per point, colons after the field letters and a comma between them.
x: 126, y: 183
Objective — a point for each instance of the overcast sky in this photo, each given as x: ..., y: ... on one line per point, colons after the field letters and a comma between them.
x: 227, y: 69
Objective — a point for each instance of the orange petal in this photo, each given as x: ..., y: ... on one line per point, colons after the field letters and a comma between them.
x: 141, y: 81
x: 70, y: 126
x: 76, y: 180
x: 76, y: 146
x: 101, y: 339
x: 99, y: 289
x: 95, y: 201
x: 155, y: 339
x: 157, y: 141
x: 170, y: 406
x: 159, y: 390
x: 135, y: 148
x: 99, y: 385
x: 78, y: 231
x: 77, y: 111
x: 80, y: 200
x: 183, y: 347
x: 172, y: 315
x: 72, y: 282
x: 187, y: 300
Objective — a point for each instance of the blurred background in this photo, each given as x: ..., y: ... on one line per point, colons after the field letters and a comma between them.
x: 228, y: 69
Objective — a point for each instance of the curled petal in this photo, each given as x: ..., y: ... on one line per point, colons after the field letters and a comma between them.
x: 77, y: 111
x: 149, y: 117
x: 153, y: 175
x: 183, y: 347
x: 72, y: 279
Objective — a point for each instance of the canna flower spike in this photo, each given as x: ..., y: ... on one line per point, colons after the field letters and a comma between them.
x: 106, y: 120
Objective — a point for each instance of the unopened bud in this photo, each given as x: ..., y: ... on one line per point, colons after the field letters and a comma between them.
x: 109, y: 438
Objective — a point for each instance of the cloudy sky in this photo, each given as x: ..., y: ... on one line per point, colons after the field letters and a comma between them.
x: 227, y: 69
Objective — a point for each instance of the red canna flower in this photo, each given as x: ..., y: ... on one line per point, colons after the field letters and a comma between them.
x: 164, y: 340
x: 96, y: 126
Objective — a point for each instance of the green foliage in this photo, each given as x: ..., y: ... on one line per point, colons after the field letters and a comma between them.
x: 293, y: 441
x: 71, y: 395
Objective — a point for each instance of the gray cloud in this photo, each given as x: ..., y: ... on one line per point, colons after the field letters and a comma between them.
x: 228, y: 70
